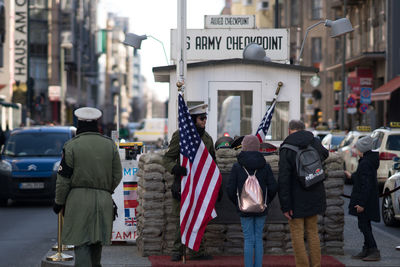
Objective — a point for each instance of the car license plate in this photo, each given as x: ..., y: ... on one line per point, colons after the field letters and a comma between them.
x: 31, y: 185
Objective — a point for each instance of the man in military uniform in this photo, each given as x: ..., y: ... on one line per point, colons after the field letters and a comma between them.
x: 172, y: 164
x: 89, y: 172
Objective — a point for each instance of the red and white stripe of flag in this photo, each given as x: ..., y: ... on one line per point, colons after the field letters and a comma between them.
x: 199, y: 194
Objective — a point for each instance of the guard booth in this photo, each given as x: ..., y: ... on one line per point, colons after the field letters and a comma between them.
x: 238, y: 93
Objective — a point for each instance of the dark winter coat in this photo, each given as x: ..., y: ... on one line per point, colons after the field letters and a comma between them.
x: 292, y: 195
x: 365, y: 187
x: 251, y: 160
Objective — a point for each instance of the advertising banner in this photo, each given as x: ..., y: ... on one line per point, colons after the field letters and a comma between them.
x: 125, y: 197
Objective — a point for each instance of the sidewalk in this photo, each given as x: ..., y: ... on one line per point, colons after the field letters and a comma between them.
x: 127, y: 255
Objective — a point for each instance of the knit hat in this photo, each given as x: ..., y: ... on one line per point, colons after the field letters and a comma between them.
x: 250, y: 143
x: 364, y: 144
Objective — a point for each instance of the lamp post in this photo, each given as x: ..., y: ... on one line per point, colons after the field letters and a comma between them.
x: 343, y: 72
x: 339, y: 27
x: 135, y: 41
x: 63, y: 79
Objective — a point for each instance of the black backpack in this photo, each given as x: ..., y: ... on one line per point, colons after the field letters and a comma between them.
x: 308, y: 165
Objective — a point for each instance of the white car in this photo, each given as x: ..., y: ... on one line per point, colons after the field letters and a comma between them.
x: 387, y: 143
x: 332, y: 141
x: 347, y: 150
x: 391, y: 203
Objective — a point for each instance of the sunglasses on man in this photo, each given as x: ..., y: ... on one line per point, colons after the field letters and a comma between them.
x: 202, y: 118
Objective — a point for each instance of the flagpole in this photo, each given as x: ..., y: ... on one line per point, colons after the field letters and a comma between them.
x: 181, y: 67
x: 280, y: 84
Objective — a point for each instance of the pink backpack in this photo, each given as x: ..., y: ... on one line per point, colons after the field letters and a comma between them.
x: 251, y: 199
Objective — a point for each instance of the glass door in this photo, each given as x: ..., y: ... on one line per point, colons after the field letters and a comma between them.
x: 234, y: 108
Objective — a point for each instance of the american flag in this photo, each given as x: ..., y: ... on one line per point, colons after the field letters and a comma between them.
x: 265, y: 123
x: 199, y: 189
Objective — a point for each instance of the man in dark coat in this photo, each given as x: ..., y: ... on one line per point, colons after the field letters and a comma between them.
x: 364, y: 202
x: 171, y: 163
x: 301, y: 205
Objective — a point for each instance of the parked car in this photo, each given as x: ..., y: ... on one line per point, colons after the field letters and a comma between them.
x: 391, y: 203
x: 320, y: 132
x: 387, y: 143
x: 347, y: 150
x: 29, y: 162
x: 332, y: 141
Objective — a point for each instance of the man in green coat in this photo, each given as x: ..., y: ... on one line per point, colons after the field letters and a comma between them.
x: 171, y: 163
x: 89, y: 172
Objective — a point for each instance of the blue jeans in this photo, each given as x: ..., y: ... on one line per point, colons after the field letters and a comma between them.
x: 253, y: 244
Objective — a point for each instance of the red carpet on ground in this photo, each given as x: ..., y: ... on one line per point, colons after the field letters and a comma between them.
x: 236, y: 261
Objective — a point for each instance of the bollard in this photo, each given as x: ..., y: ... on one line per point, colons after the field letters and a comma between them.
x: 63, y: 247
x: 59, y: 256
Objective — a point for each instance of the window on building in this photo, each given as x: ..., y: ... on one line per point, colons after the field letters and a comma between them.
x: 294, y: 12
x: 278, y: 130
x: 338, y: 51
x: 263, y: 5
x: 316, y: 46
x: 316, y: 9
x: 247, y: 2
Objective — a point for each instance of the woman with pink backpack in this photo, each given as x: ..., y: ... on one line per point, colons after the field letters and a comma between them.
x: 251, y: 188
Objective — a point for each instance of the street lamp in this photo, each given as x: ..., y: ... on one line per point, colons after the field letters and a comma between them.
x: 135, y: 41
x: 339, y: 27
x: 255, y: 51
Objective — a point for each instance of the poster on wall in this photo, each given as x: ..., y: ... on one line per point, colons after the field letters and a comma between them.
x: 125, y: 197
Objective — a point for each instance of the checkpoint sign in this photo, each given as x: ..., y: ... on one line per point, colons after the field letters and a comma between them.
x: 351, y: 102
x: 363, y: 108
x: 365, y: 95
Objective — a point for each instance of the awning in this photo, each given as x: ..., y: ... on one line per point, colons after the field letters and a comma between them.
x: 384, y: 92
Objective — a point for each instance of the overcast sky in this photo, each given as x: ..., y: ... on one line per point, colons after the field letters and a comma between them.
x: 157, y: 18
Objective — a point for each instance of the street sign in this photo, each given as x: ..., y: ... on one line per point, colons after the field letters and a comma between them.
x: 229, y: 22
x: 363, y: 108
x: 365, y: 95
x: 54, y: 92
x: 351, y: 102
x: 214, y: 44
x: 351, y: 110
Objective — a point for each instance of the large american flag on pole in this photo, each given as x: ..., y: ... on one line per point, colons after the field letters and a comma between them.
x: 265, y: 123
x: 199, y: 189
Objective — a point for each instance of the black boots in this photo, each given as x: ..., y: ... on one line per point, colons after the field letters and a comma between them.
x: 373, y: 255
x: 361, y: 255
x: 176, y: 257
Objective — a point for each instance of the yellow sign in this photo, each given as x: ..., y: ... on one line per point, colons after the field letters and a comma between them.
x: 395, y: 124
x: 337, y: 85
x: 363, y: 128
x: 20, y: 87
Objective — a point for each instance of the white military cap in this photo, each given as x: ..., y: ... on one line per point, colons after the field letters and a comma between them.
x: 87, y: 114
x: 198, y: 109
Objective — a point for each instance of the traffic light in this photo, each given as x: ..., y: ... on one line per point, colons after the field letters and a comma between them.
x: 319, y: 117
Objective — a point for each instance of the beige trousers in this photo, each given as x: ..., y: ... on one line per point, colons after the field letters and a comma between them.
x: 308, y: 225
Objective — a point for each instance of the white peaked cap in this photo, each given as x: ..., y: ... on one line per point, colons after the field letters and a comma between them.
x: 198, y: 109
x: 87, y: 114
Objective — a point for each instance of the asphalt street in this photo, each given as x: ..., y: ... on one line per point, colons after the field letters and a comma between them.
x: 27, y: 231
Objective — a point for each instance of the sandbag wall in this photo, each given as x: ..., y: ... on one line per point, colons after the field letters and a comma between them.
x: 157, y: 226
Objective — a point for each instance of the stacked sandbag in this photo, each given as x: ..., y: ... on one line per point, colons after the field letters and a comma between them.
x: 233, y: 244
x: 226, y: 158
x: 275, y: 238
x: 333, y: 220
x: 150, y: 210
x: 170, y: 220
x: 215, y: 238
